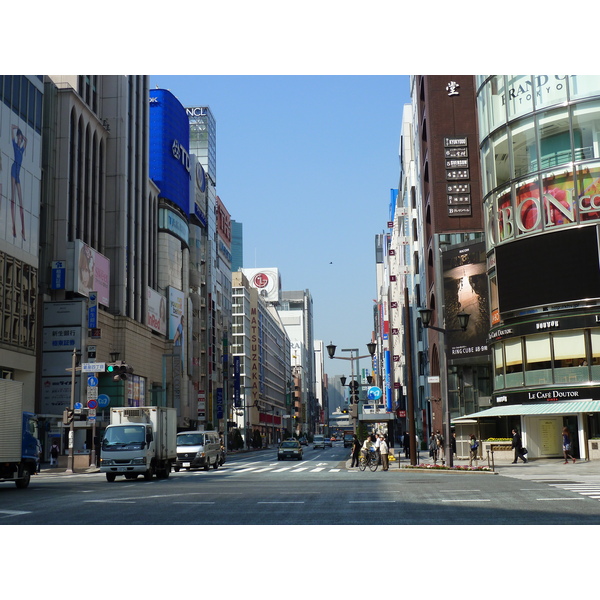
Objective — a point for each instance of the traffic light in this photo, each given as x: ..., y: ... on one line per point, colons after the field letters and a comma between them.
x: 68, y: 416
x: 119, y: 370
x: 354, y: 387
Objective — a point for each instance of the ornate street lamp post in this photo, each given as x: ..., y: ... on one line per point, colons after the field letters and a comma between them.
x: 371, y: 347
x: 463, y: 321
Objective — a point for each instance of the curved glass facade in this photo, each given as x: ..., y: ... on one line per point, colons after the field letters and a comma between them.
x: 539, y: 139
x: 540, y: 148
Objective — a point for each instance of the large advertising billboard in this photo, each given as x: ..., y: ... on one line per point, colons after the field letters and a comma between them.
x: 266, y: 281
x: 20, y: 175
x: 466, y: 290
x: 170, y: 164
x: 156, y: 317
x: 92, y: 273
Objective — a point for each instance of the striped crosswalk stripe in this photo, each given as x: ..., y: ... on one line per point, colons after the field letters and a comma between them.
x: 583, y: 489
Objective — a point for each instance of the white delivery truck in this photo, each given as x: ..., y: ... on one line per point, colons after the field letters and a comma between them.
x: 18, y: 436
x: 139, y: 441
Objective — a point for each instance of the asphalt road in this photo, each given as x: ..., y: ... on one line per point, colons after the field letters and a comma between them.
x: 256, y: 489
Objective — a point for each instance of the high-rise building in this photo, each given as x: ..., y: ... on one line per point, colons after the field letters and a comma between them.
x: 214, y: 310
x: 21, y: 266
x: 296, y: 311
x: 99, y: 247
x: 237, y: 245
x: 261, y: 371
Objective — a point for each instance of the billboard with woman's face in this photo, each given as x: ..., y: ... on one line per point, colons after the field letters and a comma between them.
x: 92, y: 272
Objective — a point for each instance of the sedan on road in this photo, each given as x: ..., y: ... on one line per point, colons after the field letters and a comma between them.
x: 289, y: 449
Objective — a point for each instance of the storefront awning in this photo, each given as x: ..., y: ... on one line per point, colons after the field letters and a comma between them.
x: 545, y: 408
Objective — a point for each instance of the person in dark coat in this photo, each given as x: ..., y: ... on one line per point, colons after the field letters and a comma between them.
x: 518, y: 447
x: 355, y: 451
x: 406, y: 444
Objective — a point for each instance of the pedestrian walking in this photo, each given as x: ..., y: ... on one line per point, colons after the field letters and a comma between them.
x: 377, y: 445
x: 355, y: 451
x: 54, y: 452
x: 406, y: 444
x: 433, y: 448
x: 518, y: 447
x: 473, y: 447
x: 384, y: 450
x: 440, y: 446
x: 567, y: 445
x: 38, y: 466
x: 453, y: 440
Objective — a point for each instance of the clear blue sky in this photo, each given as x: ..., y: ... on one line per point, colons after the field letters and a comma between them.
x: 306, y: 163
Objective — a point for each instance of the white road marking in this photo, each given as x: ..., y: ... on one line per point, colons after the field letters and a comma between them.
x: 559, y: 499
x: 280, y: 502
x: 14, y: 513
x: 469, y: 500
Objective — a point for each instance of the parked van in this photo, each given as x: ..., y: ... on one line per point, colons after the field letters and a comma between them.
x: 198, y: 449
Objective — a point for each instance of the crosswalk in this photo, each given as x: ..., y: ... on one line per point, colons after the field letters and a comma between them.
x: 275, y: 467
x: 589, y: 490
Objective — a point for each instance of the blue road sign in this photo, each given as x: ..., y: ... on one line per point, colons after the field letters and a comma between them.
x: 374, y: 393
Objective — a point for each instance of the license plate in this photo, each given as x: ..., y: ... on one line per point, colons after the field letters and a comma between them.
x: 186, y: 464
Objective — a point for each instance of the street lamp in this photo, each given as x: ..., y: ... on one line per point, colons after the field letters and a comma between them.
x: 463, y: 321
x: 371, y: 347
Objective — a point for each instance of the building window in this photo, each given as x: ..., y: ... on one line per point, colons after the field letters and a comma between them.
x: 570, y: 363
x: 514, y: 363
x: 539, y: 360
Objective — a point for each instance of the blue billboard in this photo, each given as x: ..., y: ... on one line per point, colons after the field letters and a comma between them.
x: 170, y: 164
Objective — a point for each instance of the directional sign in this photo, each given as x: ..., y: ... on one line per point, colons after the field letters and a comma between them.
x: 78, y: 406
x: 95, y: 367
x: 92, y: 381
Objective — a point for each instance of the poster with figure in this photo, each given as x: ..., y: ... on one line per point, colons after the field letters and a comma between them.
x: 466, y: 290
x: 92, y: 272
x: 20, y: 176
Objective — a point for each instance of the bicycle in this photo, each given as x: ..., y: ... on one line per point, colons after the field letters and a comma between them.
x: 370, y: 461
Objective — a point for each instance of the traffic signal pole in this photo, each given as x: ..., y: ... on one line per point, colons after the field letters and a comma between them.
x: 70, y: 458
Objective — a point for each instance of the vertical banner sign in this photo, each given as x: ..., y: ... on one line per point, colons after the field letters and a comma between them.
x: 93, y: 310
x: 219, y: 403
x: 59, y: 274
x: 236, y: 382
x: 388, y: 385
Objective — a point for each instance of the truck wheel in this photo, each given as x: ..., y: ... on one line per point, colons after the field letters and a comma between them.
x: 207, y: 465
x: 24, y: 481
x: 176, y: 469
x: 216, y: 465
x: 148, y: 474
x: 110, y: 477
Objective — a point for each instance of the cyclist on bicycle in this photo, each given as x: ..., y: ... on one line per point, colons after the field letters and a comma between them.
x: 368, y: 445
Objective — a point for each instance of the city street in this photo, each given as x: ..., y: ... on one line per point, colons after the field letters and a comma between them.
x: 255, y: 489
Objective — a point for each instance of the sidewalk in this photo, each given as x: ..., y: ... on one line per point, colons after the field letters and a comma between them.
x: 542, y: 468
